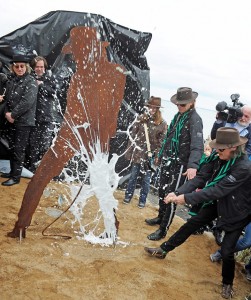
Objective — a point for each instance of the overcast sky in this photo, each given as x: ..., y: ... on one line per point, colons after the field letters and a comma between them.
x: 205, y: 45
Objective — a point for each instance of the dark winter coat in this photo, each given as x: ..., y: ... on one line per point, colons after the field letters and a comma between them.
x: 21, y: 96
x: 138, y: 151
x: 3, y: 81
x: 191, y: 144
x: 232, y: 192
x: 46, y: 99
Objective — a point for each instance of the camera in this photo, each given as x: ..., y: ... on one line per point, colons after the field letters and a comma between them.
x: 229, y: 113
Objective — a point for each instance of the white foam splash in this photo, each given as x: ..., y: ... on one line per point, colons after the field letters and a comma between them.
x: 103, y: 182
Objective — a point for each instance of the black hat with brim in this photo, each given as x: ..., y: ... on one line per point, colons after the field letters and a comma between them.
x: 20, y: 58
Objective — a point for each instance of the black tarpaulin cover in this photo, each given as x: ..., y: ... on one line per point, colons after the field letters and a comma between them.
x: 47, y: 35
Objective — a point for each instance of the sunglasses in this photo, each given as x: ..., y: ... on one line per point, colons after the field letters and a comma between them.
x: 19, y: 66
x: 182, y: 105
x: 221, y: 150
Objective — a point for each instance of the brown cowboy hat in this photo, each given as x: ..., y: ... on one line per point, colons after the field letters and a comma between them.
x: 227, y: 137
x: 184, y: 95
x: 154, y: 101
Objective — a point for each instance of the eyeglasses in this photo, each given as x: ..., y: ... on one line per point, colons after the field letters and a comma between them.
x: 19, y: 66
x: 221, y: 150
x: 182, y: 105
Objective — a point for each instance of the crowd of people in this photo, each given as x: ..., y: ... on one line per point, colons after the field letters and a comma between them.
x: 214, y: 177
x: 28, y: 114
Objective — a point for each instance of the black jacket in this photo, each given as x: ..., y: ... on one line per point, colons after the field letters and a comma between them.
x: 3, y: 81
x: 46, y: 99
x: 232, y: 192
x: 21, y: 96
x: 191, y: 144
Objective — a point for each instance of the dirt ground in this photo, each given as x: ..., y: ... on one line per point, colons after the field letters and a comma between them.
x: 54, y: 268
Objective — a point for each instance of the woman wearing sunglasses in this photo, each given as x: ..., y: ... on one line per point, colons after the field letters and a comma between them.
x: 21, y: 95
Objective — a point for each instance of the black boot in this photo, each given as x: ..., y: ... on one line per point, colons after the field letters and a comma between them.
x: 157, y: 235
x: 154, y: 221
x: 10, y: 181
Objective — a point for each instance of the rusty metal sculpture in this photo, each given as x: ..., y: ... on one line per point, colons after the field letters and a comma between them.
x: 93, y: 102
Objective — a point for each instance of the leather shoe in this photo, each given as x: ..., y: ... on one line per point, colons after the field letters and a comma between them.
x: 10, y: 182
x: 154, y: 221
x: 157, y: 235
x: 5, y: 175
x: 157, y: 252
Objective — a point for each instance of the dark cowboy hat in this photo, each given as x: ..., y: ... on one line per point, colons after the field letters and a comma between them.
x: 184, y: 95
x: 154, y: 101
x: 19, y: 58
x: 227, y: 137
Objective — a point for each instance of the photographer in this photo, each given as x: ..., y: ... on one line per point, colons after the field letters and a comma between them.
x: 237, y: 116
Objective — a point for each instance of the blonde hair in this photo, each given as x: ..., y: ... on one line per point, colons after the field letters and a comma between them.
x: 240, y: 150
x: 28, y: 68
x: 157, y: 117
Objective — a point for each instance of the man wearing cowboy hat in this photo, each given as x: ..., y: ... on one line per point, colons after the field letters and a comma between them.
x: 138, y: 152
x: 224, y: 181
x: 180, y: 156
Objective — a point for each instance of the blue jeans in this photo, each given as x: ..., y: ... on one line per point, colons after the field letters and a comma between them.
x: 244, y: 242
x: 145, y: 185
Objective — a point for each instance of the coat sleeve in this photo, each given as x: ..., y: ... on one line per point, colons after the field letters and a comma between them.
x: 27, y: 99
x: 199, y: 181
x: 248, y: 144
x: 236, y: 177
x: 160, y: 137
x: 197, y: 143
x: 217, y: 124
x: 133, y: 134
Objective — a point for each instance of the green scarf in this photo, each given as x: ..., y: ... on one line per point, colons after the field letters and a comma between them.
x: 221, y: 174
x: 177, y: 121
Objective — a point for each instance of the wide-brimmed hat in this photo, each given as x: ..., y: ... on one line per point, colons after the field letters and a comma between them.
x: 184, y: 95
x: 227, y: 137
x: 19, y: 58
x: 154, y: 101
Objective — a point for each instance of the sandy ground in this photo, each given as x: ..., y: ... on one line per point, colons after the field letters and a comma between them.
x: 54, y: 268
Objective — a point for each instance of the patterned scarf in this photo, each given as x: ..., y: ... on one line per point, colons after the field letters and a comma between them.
x: 177, y: 124
x: 221, y: 174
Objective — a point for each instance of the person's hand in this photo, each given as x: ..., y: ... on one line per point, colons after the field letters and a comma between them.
x: 175, y: 199
x: 190, y: 173
x: 9, y: 117
x: 156, y: 161
x: 169, y: 197
x: 1, y: 98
